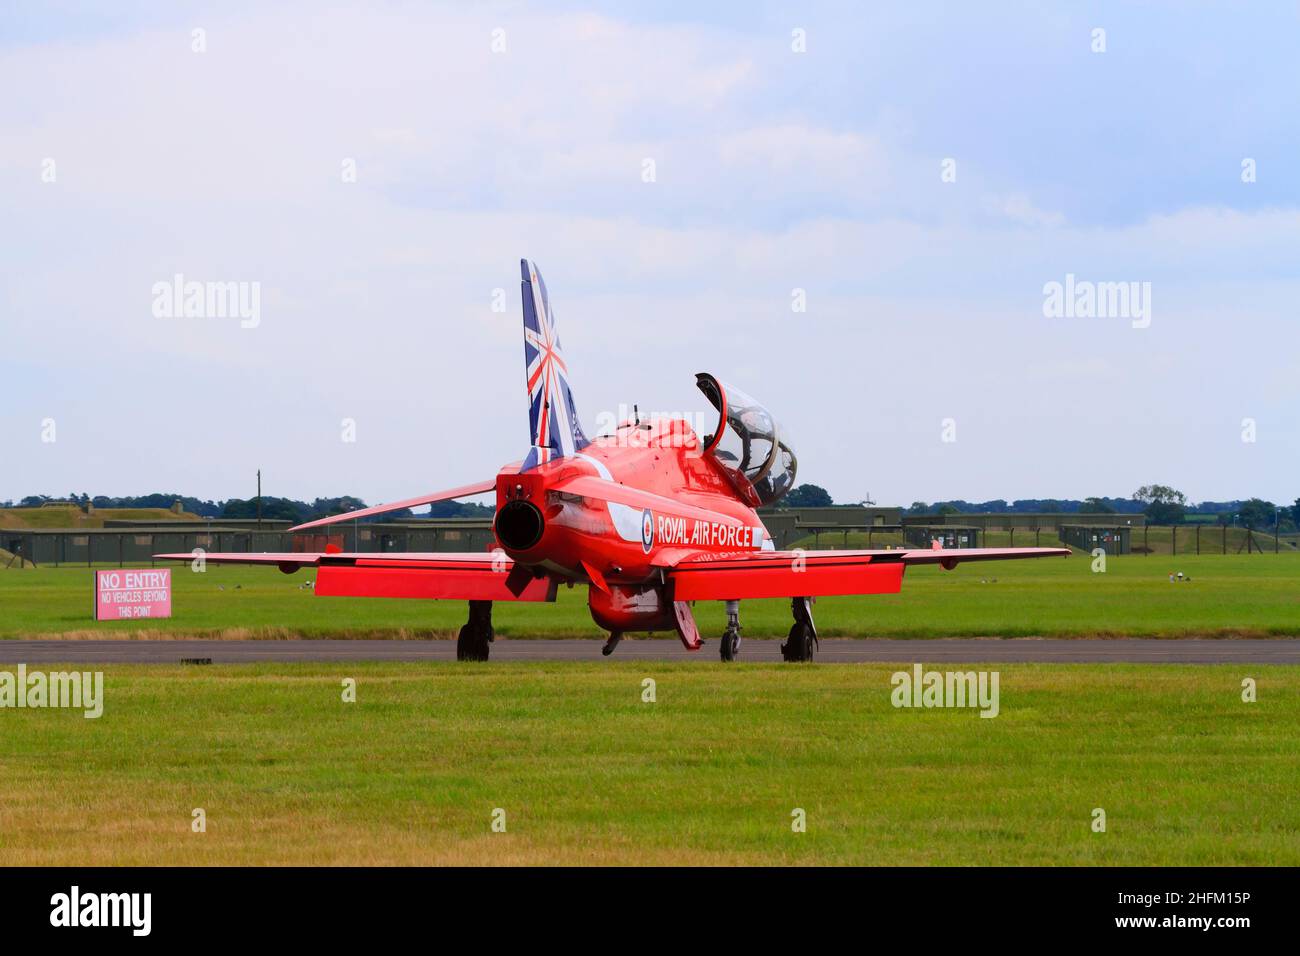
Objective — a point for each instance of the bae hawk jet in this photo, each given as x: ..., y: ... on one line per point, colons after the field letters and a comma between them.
x: 650, y: 518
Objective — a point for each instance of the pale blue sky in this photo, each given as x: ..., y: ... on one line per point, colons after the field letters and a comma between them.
x: 775, y: 170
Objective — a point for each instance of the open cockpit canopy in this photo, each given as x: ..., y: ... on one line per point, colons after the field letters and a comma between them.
x: 748, y: 443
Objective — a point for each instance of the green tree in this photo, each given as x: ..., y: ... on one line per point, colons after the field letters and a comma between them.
x: 1257, y: 513
x: 1095, y: 506
x: 808, y: 496
x: 272, y: 509
x: 1164, y: 505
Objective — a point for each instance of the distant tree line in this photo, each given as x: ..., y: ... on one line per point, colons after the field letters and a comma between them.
x: 1160, y: 503
x: 272, y: 508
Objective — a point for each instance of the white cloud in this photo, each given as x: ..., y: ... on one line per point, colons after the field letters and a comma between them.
x: 924, y: 298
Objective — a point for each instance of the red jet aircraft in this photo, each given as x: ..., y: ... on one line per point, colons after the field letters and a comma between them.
x: 651, y: 518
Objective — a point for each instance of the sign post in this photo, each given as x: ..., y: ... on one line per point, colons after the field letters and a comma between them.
x: 132, y: 593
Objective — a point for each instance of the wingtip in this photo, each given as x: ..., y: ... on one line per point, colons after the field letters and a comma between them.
x: 308, y: 525
x: 317, y: 522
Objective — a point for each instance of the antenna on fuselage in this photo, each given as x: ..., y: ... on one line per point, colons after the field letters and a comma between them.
x: 636, y: 415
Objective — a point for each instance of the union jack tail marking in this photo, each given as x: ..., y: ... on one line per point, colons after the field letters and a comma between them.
x: 552, y: 415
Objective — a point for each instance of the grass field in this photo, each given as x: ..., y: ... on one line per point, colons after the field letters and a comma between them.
x: 71, y: 516
x: 1237, y: 595
x: 708, y: 774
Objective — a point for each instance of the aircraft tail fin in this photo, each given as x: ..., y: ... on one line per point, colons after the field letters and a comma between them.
x: 552, y: 415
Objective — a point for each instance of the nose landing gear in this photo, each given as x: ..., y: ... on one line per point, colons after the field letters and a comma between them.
x: 731, y: 636
x: 475, y: 637
x: 802, y: 640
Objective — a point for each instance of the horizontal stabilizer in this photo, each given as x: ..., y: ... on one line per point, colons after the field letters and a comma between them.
x: 465, y: 491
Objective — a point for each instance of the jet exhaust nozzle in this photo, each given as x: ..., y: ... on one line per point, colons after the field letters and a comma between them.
x: 519, y: 525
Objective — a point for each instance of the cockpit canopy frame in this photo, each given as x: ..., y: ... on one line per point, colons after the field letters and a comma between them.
x: 748, y: 444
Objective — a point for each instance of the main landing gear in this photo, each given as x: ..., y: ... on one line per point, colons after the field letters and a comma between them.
x: 476, y: 635
x: 731, y: 636
x: 802, y: 641
x: 799, y: 646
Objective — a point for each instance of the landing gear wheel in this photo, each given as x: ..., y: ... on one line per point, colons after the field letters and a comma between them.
x: 731, y: 636
x: 802, y: 640
x: 472, y: 644
x: 798, y: 647
x: 730, y: 644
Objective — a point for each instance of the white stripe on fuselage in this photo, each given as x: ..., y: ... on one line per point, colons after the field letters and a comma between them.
x: 625, y: 519
x: 600, y: 469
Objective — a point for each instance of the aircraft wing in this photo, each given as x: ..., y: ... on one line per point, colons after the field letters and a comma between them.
x: 464, y: 491
x: 772, y: 574
x: 455, y: 576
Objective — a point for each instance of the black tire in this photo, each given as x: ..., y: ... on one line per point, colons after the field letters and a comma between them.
x: 471, y: 646
x: 787, y: 647
x: 809, y: 645
x: 798, y: 647
x: 729, y: 645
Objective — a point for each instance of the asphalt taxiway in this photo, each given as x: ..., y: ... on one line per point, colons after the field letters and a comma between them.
x: 832, y: 651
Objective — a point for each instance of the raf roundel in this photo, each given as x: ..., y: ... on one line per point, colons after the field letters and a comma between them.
x: 647, y: 530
